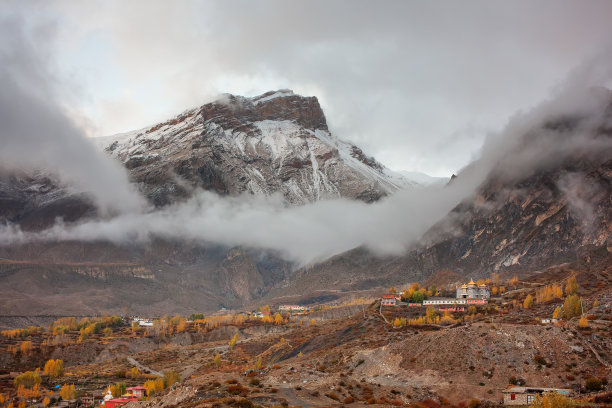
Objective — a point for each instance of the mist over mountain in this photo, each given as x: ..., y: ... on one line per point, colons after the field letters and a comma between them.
x: 244, y: 191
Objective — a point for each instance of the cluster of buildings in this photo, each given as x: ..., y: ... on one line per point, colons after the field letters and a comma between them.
x: 467, y: 294
x: 133, y: 394
x: 297, y: 309
x: 141, y: 321
x: 291, y: 309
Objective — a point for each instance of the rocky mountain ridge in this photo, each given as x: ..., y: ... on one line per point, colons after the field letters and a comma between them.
x: 523, y: 219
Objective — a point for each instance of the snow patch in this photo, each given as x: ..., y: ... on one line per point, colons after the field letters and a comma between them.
x: 279, y: 94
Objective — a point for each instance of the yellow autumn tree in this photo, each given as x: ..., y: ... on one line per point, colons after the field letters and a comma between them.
x: 595, y: 303
x: 118, y: 389
x: 571, y: 287
x: 68, y: 392
x: 46, y: 401
x: 278, y: 319
x: 557, y: 291
x: 447, y: 319
x: 583, y: 322
x: 154, y: 386
x: 572, y: 306
x: 552, y: 400
x: 217, y: 361
x: 494, y: 290
x: 29, y: 393
x: 25, y: 347
x: 528, y: 302
x: 233, y: 341
x: 171, y: 377
x: 28, y: 379
x: 54, y: 368
x: 430, y: 314
x: 513, y: 281
x: 557, y: 313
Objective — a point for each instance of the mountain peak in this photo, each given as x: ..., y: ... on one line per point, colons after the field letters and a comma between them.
x: 272, y: 105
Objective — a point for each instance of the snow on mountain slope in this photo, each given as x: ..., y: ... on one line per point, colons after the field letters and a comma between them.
x: 277, y: 142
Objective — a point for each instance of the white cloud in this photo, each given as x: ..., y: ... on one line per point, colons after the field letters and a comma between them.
x: 394, y: 76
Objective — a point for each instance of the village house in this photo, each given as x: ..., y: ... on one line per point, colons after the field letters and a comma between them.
x: 138, y: 391
x: 90, y: 399
x: 390, y: 299
x: 523, y: 396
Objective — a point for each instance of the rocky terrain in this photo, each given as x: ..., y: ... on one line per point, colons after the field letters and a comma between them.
x: 353, y: 358
x: 515, y: 223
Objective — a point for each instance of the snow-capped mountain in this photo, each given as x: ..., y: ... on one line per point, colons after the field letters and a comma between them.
x: 277, y: 142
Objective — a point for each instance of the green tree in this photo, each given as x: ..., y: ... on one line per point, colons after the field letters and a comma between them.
x: 118, y: 389
x: 593, y: 384
x: 417, y: 297
x: 196, y: 316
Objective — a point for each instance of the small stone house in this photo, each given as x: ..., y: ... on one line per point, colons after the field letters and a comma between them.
x: 523, y: 396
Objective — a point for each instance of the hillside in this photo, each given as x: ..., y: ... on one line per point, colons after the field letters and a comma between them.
x: 554, y: 210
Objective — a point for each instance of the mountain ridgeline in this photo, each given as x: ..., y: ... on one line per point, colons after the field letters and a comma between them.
x: 521, y: 219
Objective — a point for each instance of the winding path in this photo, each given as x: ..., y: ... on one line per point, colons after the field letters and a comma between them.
x: 142, y: 368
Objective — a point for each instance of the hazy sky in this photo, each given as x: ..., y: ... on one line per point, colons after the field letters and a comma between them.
x: 416, y: 84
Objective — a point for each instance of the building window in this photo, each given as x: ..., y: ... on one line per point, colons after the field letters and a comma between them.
x: 512, y: 397
x: 530, y: 398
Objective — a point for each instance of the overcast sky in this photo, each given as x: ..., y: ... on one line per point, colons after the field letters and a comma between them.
x: 416, y: 84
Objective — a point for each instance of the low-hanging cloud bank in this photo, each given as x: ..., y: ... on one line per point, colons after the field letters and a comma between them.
x: 302, y: 234
x: 316, y: 231
x: 37, y: 133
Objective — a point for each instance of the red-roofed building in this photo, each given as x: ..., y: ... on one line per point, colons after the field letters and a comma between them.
x: 138, y: 392
x: 118, y: 402
x: 389, y: 299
